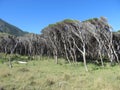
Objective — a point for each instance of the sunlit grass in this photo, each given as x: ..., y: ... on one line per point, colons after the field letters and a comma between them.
x: 46, y: 75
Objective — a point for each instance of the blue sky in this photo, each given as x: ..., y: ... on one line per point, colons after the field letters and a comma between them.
x: 34, y: 15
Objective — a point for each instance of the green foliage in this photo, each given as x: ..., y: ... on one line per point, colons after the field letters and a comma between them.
x: 64, y: 21
x: 90, y: 20
x: 14, y: 58
x: 69, y: 21
x: 118, y: 30
x: 51, y: 25
x: 3, y: 34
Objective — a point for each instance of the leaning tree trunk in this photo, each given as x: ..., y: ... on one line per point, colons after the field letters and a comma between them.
x: 84, y: 57
x: 55, y: 56
x: 65, y: 47
x: 82, y: 52
x: 54, y: 47
x: 11, y: 53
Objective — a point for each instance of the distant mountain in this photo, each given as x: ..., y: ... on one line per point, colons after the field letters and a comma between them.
x: 10, y: 29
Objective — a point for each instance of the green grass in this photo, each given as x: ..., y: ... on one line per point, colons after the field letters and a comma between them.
x: 46, y: 75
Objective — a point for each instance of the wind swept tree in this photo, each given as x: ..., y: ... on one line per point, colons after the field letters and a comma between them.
x: 103, y: 35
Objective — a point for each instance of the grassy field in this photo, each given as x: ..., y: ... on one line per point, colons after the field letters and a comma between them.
x: 46, y: 75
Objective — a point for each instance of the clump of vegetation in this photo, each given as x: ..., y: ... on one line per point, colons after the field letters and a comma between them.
x: 69, y: 21
x: 91, y: 20
x: 23, y: 70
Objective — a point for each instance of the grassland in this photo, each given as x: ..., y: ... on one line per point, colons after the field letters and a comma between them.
x: 46, y: 75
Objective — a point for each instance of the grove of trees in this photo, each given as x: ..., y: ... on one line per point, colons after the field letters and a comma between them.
x: 85, y: 41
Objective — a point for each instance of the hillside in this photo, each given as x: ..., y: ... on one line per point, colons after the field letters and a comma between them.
x: 10, y: 29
